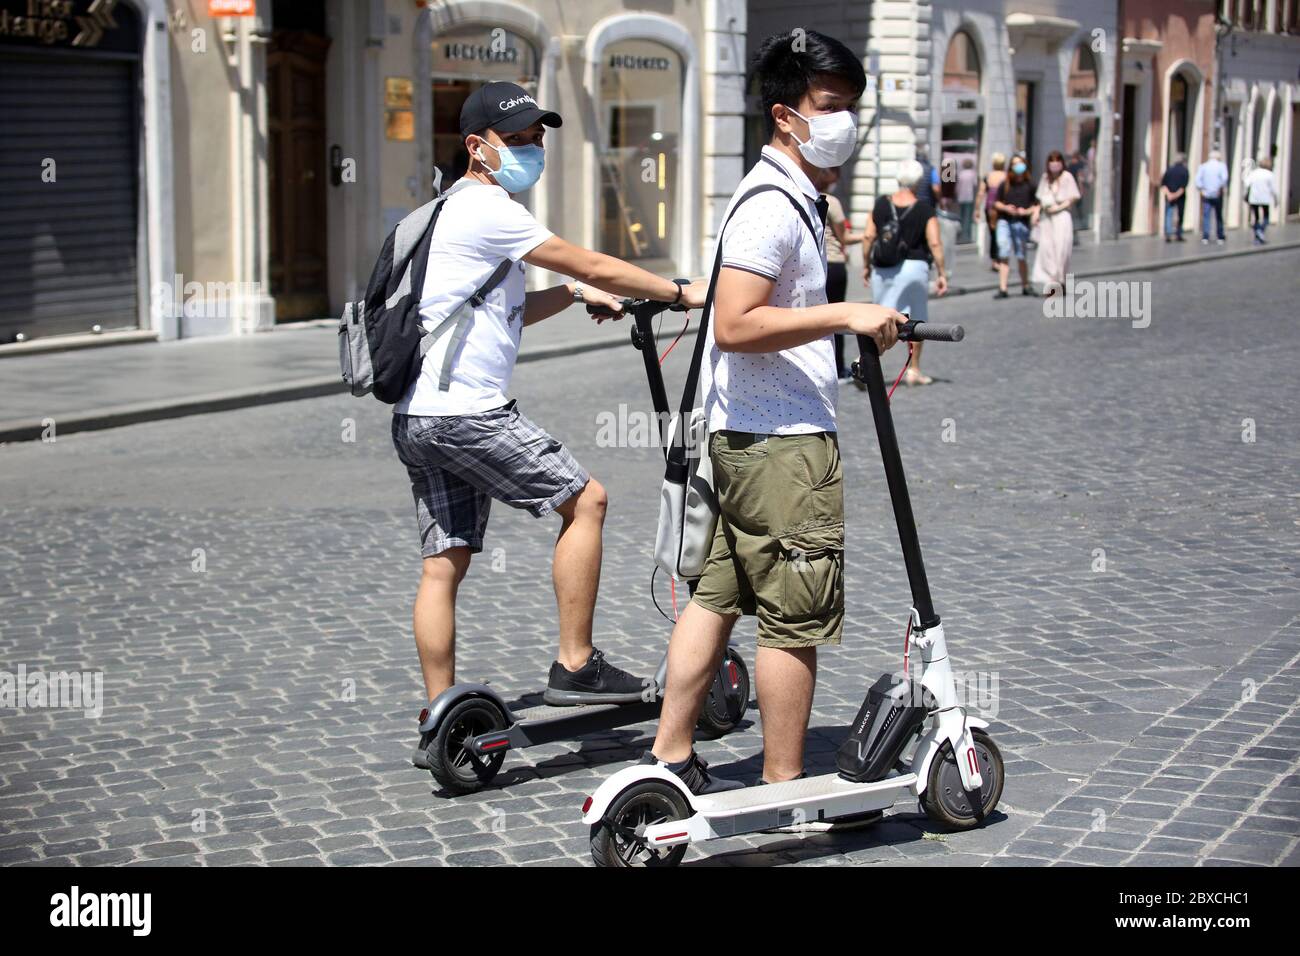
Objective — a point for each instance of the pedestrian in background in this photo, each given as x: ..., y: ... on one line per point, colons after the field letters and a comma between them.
x: 1017, y: 210
x: 1173, y: 187
x: 838, y: 237
x: 1211, y: 178
x: 986, y: 200
x: 967, y: 184
x: 927, y: 186
x: 905, y: 285
x: 1261, y: 192
x: 1057, y: 192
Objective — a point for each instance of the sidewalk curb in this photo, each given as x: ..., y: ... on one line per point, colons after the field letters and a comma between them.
x: 1155, y: 266
x: 23, y: 430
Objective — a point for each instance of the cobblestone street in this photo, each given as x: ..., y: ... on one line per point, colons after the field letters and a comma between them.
x: 1111, y: 523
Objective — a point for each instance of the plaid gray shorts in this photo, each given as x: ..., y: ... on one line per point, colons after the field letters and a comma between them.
x: 459, y: 463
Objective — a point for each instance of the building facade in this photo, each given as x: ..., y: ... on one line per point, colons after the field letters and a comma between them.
x: 178, y: 168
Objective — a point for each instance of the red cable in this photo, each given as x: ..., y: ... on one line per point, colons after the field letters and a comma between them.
x: 676, y: 340
x: 901, y: 373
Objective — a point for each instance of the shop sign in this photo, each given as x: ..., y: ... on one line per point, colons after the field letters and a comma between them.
x: 1080, y: 107
x: 483, y: 52
x: 965, y: 104
x: 81, y: 24
x: 398, y: 92
x: 629, y: 61
x: 232, y: 8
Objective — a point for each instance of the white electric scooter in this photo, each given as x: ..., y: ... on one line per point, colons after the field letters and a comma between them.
x: 644, y: 816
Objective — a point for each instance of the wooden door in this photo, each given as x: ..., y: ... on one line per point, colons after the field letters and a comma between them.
x: 298, y: 173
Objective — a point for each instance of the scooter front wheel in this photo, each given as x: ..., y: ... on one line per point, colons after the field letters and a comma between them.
x: 948, y: 803
x: 618, y: 840
x: 451, y: 761
x: 728, y: 698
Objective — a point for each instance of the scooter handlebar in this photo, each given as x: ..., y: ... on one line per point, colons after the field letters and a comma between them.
x: 913, y: 331
x: 648, y: 308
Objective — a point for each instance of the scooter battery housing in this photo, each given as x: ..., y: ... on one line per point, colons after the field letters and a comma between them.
x: 886, y: 722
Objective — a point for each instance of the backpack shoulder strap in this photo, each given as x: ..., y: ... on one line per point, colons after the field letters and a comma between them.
x: 492, y: 282
x: 677, y: 452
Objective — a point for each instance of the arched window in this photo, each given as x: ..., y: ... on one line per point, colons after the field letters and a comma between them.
x: 464, y: 59
x: 641, y: 90
x: 1082, y: 126
x: 961, y: 67
x: 1083, y: 73
x: 1180, y: 116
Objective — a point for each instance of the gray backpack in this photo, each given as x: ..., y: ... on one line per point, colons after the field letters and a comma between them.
x: 382, y: 342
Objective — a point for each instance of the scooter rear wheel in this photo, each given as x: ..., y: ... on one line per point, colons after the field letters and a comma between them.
x: 948, y: 803
x: 617, y: 839
x: 728, y: 699
x: 453, y: 764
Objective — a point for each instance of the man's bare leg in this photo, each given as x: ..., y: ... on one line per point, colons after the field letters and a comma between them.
x: 784, y: 679
x: 575, y: 571
x: 435, y: 618
x: 694, y: 655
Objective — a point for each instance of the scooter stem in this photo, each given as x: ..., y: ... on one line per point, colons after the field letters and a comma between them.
x: 867, y: 370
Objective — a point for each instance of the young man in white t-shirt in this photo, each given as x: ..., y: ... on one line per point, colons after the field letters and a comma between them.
x: 462, y: 441
x: 770, y: 393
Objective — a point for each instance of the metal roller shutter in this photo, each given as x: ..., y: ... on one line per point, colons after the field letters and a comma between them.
x: 68, y: 248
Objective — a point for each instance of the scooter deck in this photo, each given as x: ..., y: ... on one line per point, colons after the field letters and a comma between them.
x: 754, y: 809
x: 539, y: 713
x: 544, y: 724
x: 795, y: 793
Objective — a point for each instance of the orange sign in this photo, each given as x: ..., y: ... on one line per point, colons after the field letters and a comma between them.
x: 232, y: 8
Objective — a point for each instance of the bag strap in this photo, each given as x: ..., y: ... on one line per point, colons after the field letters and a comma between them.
x: 492, y: 282
x: 677, y: 451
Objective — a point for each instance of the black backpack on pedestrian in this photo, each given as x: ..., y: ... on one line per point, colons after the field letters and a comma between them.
x: 382, y: 342
x: 889, y: 248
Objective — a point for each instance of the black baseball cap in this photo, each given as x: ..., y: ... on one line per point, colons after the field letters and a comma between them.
x: 504, y: 107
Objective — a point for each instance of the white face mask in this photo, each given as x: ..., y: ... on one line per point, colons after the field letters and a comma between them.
x: 831, y: 138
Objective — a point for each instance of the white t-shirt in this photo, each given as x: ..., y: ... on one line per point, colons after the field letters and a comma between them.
x: 792, y: 392
x: 478, y: 227
x: 1259, y: 187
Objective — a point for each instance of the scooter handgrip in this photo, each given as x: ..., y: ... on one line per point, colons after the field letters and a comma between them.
x: 925, y: 332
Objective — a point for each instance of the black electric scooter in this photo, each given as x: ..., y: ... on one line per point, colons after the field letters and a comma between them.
x: 466, y: 730
x: 644, y: 816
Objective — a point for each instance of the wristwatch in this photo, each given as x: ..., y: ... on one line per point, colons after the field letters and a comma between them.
x: 577, y: 292
x: 681, y: 288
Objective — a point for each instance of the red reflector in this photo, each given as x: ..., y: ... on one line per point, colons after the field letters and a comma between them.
x: 424, y: 715
x: 495, y: 744
x: 670, y: 836
x: 586, y: 805
x: 733, y: 674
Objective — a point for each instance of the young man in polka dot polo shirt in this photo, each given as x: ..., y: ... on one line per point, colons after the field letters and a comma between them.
x: 770, y: 390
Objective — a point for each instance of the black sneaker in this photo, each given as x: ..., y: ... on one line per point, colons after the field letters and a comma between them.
x: 596, y: 682
x: 1001, y: 294
x: 693, y: 772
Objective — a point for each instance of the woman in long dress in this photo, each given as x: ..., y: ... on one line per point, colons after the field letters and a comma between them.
x: 1057, y: 192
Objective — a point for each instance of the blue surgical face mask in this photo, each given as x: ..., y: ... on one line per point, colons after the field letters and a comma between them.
x: 521, y: 166
x: 1018, y: 168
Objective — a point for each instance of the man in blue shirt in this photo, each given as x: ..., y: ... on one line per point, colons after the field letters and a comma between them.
x: 1211, y: 179
x: 1173, y: 187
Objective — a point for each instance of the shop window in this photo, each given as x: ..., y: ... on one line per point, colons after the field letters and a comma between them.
x: 640, y: 116
x: 1082, y: 127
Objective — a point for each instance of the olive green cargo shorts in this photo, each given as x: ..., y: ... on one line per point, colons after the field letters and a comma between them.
x: 778, y: 552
